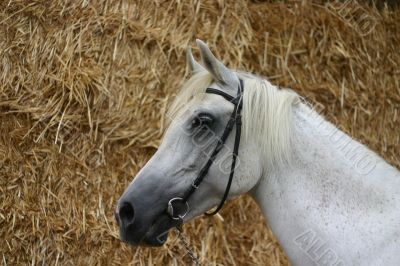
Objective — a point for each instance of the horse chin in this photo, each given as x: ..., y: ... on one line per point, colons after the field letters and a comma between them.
x: 155, y: 240
x: 157, y: 234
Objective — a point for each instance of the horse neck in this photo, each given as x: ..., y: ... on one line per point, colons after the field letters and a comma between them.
x: 332, y: 182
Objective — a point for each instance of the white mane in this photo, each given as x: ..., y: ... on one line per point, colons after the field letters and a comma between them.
x: 267, y: 113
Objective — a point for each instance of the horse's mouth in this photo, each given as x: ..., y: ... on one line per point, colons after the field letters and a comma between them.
x: 156, y: 235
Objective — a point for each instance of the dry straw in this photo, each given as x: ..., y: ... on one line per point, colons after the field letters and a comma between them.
x: 83, y: 90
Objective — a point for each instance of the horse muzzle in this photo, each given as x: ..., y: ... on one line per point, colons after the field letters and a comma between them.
x: 140, y: 225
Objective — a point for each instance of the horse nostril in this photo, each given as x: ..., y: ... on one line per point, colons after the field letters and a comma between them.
x: 126, y: 213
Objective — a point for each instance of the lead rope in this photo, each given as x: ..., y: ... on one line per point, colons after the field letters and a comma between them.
x: 186, y: 245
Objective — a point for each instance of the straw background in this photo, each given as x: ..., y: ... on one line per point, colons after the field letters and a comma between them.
x: 84, y: 86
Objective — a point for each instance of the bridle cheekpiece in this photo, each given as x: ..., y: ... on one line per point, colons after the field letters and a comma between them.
x: 234, y: 120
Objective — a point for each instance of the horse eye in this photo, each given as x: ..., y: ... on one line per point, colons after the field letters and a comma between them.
x: 201, y: 121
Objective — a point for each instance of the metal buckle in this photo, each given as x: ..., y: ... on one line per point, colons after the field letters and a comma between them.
x: 170, y: 209
x: 194, y: 186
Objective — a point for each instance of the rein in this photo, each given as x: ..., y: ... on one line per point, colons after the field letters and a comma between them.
x: 234, y: 120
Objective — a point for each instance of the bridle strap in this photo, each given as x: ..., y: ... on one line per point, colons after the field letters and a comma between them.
x: 234, y: 120
x: 238, y: 124
x: 221, y: 93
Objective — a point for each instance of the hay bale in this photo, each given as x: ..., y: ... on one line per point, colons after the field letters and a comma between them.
x: 83, y: 91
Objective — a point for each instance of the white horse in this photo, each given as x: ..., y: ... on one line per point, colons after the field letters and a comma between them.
x: 328, y: 199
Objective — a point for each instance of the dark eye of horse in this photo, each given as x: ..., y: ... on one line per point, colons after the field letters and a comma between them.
x: 202, y: 120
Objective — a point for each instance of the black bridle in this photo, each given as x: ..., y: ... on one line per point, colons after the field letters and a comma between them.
x: 234, y: 120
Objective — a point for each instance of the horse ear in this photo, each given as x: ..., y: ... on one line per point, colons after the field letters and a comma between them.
x: 192, y: 63
x: 217, y: 69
